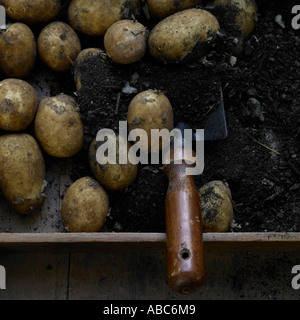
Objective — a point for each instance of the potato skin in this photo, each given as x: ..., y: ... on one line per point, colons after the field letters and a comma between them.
x: 148, y: 110
x: 18, y: 104
x: 85, y: 206
x: 58, y: 126
x: 183, y: 36
x: 125, y: 41
x: 17, y: 57
x: 32, y: 11
x: 216, y: 206
x: 95, y: 17
x: 22, y: 172
x: 58, y: 45
x: 113, y: 176
x: 163, y: 8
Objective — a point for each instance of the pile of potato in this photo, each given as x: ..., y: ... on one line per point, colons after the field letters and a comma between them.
x: 183, y: 32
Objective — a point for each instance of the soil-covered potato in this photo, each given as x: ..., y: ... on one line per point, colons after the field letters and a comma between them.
x: 32, y: 11
x: 18, y: 104
x: 22, y: 172
x: 216, y: 206
x: 85, y: 206
x: 183, y: 36
x: 126, y: 41
x: 58, y: 126
x: 58, y: 45
x: 148, y: 110
x: 163, y: 8
x: 95, y: 17
x: 113, y: 175
x: 243, y: 13
x: 17, y: 50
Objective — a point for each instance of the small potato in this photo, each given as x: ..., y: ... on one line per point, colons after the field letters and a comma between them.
x: 112, y: 175
x: 18, y: 104
x: 163, y: 8
x: 243, y: 13
x: 216, y: 207
x: 58, y: 46
x: 17, y: 50
x: 149, y: 110
x: 84, y: 206
x: 58, y: 126
x: 125, y: 41
x: 32, y: 11
x: 22, y: 172
x: 95, y: 17
x: 184, y: 36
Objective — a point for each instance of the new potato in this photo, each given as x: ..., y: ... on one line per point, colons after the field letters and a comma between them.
x: 18, y: 104
x: 22, y: 172
x: 183, y: 36
x: 58, y: 126
x: 85, y: 206
x: 17, y: 50
x: 95, y: 17
x: 32, y: 11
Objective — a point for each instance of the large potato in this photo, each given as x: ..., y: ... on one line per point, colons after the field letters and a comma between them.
x: 149, y: 110
x: 31, y: 11
x: 125, y: 41
x: 84, y: 206
x: 95, y: 17
x: 58, y: 45
x: 18, y: 104
x: 183, y: 36
x: 163, y: 8
x: 22, y: 172
x: 243, y: 13
x: 17, y: 50
x: 216, y: 206
x: 112, y: 175
x: 58, y: 126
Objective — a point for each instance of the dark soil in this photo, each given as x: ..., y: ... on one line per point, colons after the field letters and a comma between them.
x: 260, y: 157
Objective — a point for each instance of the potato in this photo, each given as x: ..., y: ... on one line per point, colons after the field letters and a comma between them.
x: 58, y: 126
x: 22, y: 172
x: 148, y: 110
x: 58, y: 45
x: 17, y: 50
x: 216, y: 206
x: 242, y: 12
x: 32, y: 11
x: 95, y: 17
x: 112, y: 175
x: 85, y: 206
x: 125, y: 41
x: 84, y: 56
x: 183, y: 36
x: 163, y: 8
x: 18, y: 104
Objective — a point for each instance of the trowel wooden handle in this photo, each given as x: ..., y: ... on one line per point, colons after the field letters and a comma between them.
x: 185, y: 263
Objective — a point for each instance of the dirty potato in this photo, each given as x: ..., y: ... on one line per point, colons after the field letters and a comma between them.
x: 149, y: 110
x: 18, y: 104
x: 85, y: 206
x: 216, y: 206
x: 183, y: 36
x: 58, y: 126
x: 125, y: 41
x: 17, y: 50
x: 115, y: 174
x: 22, y: 172
x: 163, y: 8
x: 32, y: 11
x: 58, y: 45
x: 95, y: 17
